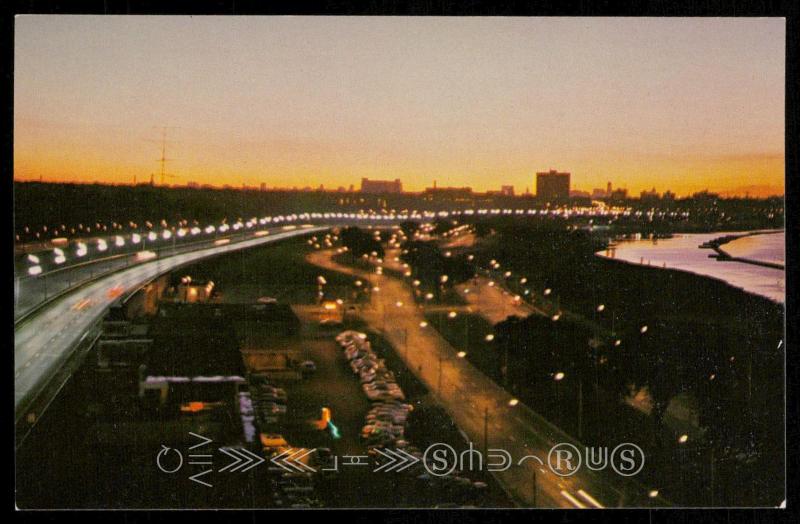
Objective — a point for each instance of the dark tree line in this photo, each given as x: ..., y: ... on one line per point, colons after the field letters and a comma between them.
x: 428, y: 265
x: 359, y: 242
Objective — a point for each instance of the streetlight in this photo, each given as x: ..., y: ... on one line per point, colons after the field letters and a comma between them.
x: 513, y: 402
x: 489, y: 337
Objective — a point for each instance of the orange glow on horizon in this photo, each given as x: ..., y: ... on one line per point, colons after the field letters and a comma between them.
x: 758, y: 175
x: 680, y: 104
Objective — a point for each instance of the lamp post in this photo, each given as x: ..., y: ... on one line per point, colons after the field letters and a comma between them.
x: 485, y: 430
x: 557, y: 378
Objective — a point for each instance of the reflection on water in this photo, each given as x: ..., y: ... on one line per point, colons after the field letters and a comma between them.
x: 683, y: 252
x: 766, y: 248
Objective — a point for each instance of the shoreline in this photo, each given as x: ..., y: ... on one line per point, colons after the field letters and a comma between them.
x: 724, y: 256
x: 604, y: 254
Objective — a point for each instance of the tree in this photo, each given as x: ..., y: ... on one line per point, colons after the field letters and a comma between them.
x: 359, y: 242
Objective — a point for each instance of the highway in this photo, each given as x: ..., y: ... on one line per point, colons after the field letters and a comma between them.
x: 44, y: 342
x: 472, y: 400
x: 31, y: 290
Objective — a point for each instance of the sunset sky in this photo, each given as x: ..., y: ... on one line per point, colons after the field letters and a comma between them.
x: 680, y: 104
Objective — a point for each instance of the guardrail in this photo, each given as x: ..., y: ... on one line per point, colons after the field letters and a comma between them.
x: 33, y: 402
x: 37, y: 402
x: 22, y: 314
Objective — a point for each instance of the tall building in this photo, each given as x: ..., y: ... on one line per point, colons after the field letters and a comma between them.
x: 552, y: 185
x: 507, y: 190
x: 381, y: 186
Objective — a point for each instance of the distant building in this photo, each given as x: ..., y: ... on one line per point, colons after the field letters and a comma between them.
x: 263, y: 186
x: 649, y: 195
x: 507, y: 190
x: 619, y: 194
x: 192, y: 185
x: 447, y: 193
x: 599, y: 193
x: 577, y: 193
x: 668, y: 195
x: 705, y: 195
x: 381, y: 186
x: 552, y: 185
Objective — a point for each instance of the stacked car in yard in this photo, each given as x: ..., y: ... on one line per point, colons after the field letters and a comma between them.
x: 387, y: 420
x: 267, y: 402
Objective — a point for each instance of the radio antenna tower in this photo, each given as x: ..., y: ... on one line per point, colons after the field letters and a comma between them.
x: 163, y: 160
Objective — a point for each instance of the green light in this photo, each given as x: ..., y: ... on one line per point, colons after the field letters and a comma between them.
x: 334, y: 430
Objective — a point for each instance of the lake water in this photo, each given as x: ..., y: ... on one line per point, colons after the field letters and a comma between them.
x: 683, y: 252
x: 766, y: 248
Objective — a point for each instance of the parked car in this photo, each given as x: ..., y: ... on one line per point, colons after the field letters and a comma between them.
x: 269, y: 441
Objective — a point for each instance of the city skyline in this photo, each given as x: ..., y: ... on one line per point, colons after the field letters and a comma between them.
x: 680, y: 104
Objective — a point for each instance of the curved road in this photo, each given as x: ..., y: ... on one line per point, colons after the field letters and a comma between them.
x: 43, y: 343
x: 472, y: 399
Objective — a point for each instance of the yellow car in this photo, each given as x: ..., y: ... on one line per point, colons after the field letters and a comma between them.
x: 273, y: 441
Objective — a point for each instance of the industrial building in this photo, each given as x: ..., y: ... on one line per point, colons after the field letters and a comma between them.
x: 379, y: 187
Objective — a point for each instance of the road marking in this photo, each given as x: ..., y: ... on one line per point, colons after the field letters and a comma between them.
x: 573, y: 500
x: 590, y: 499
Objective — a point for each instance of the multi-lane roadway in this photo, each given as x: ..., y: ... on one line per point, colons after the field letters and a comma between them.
x: 45, y: 341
